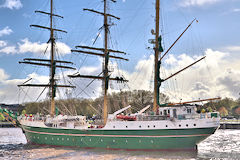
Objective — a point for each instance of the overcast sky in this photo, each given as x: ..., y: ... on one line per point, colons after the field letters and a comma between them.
x: 216, y: 35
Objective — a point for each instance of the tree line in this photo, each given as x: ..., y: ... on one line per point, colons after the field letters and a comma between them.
x: 138, y: 99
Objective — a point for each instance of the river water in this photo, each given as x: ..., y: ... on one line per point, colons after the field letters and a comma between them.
x: 224, y: 144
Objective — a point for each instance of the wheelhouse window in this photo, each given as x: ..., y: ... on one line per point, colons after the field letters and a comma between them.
x: 165, y: 112
x: 189, y: 110
x: 175, y: 113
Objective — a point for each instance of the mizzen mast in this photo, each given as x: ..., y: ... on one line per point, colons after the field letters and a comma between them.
x: 106, y: 77
x: 156, y: 61
x: 51, y: 63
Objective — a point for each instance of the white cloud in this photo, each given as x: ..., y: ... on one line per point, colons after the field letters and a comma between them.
x: 199, y: 86
x: 39, y: 48
x: 88, y: 70
x: 11, y: 93
x: 3, y: 75
x: 141, y: 77
x: 230, y: 81
x: 216, y: 75
x: 35, y: 47
x: 207, y: 79
x: 171, y: 60
x: 8, y: 50
x: 12, y: 4
x: 189, y: 3
x: 6, y: 91
x: 236, y: 10
x: 62, y: 48
x: 233, y: 48
x: 5, y: 31
x: 3, y: 43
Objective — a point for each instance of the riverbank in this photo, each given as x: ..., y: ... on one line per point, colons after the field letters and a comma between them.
x: 230, y: 124
x: 6, y: 125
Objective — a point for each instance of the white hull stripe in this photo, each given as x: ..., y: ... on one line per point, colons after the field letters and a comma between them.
x: 100, y: 135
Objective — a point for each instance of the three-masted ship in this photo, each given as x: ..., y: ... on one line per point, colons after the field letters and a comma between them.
x: 170, y: 126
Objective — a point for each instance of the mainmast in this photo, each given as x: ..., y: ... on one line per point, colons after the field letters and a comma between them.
x: 105, y: 67
x: 51, y: 63
x: 106, y: 77
x: 52, y: 69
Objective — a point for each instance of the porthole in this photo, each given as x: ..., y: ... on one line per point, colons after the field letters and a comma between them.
x: 187, y: 125
x: 148, y: 126
x: 126, y: 126
x: 194, y: 124
x: 113, y: 126
x: 140, y: 126
x: 166, y: 125
x: 179, y: 125
x: 154, y: 126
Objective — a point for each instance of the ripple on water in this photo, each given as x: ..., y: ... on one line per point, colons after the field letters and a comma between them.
x: 223, y: 144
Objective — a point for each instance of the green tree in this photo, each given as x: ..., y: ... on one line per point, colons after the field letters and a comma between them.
x: 223, y: 111
x: 2, y: 118
x: 23, y: 112
x: 138, y: 99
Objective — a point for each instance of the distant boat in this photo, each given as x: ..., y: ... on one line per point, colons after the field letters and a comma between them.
x: 168, y: 126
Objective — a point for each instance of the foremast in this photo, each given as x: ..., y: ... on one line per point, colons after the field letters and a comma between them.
x: 106, y: 77
x: 51, y: 63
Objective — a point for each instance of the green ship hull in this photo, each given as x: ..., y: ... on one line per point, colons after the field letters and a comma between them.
x: 158, y: 139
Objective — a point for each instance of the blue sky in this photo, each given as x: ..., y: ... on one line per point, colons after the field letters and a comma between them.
x: 216, y: 35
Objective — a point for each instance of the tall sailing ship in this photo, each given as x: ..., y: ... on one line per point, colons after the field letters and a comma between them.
x: 170, y: 126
